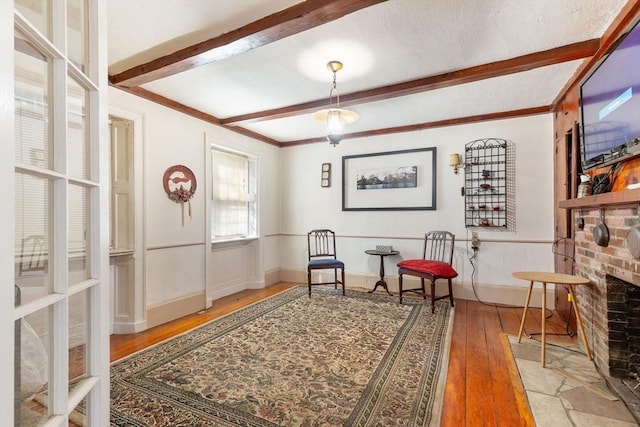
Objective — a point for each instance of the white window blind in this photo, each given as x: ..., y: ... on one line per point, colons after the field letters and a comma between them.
x: 234, y: 199
x: 32, y: 193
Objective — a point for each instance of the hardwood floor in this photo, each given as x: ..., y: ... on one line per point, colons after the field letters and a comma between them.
x: 479, y: 390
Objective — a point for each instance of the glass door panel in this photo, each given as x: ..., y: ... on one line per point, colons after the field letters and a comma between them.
x: 78, y: 337
x: 37, y: 12
x: 77, y: 136
x: 33, y: 343
x: 77, y: 418
x: 76, y: 32
x: 78, y: 229
x: 32, y: 89
x: 33, y: 269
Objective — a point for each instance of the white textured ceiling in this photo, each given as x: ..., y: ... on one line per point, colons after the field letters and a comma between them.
x: 384, y: 44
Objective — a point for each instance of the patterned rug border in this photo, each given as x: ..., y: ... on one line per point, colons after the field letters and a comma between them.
x: 203, y: 325
x: 429, y: 411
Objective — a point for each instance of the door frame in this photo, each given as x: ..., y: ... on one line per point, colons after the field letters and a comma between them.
x: 138, y: 317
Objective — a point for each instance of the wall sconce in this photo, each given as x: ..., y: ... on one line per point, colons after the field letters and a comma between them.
x: 455, y: 161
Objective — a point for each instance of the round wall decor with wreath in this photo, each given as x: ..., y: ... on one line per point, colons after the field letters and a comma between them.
x: 180, y: 184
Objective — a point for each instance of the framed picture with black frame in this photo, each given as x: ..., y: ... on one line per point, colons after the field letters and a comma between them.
x: 390, y: 181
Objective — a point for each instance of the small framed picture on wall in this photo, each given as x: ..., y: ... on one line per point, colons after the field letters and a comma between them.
x: 325, y: 177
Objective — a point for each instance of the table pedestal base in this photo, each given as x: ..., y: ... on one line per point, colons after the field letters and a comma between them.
x: 380, y: 283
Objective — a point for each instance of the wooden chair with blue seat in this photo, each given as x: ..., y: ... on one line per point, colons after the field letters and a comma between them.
x: 322, y: 256
x: 435, y: 264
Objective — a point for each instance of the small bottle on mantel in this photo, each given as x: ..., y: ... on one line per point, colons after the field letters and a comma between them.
x: 585, y: 188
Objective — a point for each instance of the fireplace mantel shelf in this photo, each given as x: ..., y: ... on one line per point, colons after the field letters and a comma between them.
x: 626, y: 197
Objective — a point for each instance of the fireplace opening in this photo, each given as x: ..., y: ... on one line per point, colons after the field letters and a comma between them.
x: 623, y: 318
x: 623, y: 325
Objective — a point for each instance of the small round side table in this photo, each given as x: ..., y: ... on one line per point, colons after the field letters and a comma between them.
x: 381, y: 282
x: 558, y: 279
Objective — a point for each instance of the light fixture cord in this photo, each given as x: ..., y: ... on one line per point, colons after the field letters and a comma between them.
x: 333, y: 90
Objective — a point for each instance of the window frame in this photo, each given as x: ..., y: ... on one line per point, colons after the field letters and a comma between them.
x: 252, y: 197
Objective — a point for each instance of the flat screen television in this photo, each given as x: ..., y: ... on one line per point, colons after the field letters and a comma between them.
x: 610, y: 105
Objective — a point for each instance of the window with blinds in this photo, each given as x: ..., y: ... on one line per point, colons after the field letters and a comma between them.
x: 234, y: 198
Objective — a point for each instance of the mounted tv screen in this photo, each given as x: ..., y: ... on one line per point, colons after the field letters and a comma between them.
x: 610, y: 105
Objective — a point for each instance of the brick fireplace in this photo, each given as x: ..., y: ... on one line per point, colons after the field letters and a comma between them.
x: 611, y: 308
x: 611, y: 269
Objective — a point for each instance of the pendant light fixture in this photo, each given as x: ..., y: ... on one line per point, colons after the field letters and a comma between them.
x: 334, y: 116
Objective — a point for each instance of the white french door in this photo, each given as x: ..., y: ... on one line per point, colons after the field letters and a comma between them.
x: 54, y: 246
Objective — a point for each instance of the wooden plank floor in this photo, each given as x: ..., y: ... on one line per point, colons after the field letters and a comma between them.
x: 479, y: 389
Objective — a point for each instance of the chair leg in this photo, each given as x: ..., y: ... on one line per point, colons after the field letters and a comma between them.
x: 433, y: 296
x: 342, y: 281
x: 335, y: 278
x: 451, y: 294
x: 309, y: 281
x: 400, y: 287
x: 424, y: 290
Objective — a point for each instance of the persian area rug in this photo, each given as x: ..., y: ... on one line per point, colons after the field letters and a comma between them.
x: 291, y: 360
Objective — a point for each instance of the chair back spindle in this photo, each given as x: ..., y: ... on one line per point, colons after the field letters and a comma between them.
x: 32, y: 256
x: 321, y: 244
x: 438, y: 246
x: 321, y: 249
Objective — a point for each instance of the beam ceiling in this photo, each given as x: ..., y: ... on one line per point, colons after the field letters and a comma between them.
x: 307, y: 15
x: 287, y: 22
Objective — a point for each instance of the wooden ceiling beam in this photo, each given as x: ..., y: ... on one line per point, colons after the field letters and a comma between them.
x: 170, y: 103
x: 430, y: 125
x: 518, y: 64
x: 293, y: 20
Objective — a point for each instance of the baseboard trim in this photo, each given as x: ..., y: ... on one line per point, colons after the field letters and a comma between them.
x: 175, y: 309
x: 492, y: 294
x: 129, y: 328
x: 489, y: 293
x: 272, y: 277
x: 224, y: 289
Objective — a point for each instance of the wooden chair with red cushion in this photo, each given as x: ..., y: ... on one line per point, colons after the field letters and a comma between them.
x: 322, y: 256
x: 437, y: 257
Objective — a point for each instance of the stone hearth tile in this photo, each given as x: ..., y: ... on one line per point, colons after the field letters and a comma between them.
x: 571, y: 358
x: 538, y: 379
x: 566, y: 357
x: 582, y: 419
x: 558, y: 401
x: 548, y: 411
x: 566, y: 386
x: 586, y: 374
x: 586, y: 401
x: 527, y: 349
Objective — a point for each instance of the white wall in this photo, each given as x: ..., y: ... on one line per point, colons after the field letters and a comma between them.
x: 305, y: 205
x: 180, y: 261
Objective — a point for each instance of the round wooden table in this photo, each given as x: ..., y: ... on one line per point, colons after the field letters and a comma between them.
x: 558, y: 279
x: 381, y: 282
